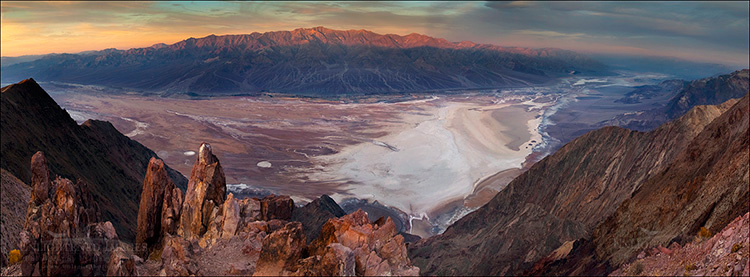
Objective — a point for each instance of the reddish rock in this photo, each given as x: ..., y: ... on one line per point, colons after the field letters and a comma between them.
x: 315, y: 214
x: 206, y: 191
x: 40, y: 181
x: 231, y: 211
x: 170, y: 211
x: 377, y: 249
x: 250, y: 209
x: 155, y: 183
x: 121, y: 263
x: 281, y: 251
x: 58, y: 236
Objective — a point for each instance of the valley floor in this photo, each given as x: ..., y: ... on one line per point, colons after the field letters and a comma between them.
x: 433, y: 159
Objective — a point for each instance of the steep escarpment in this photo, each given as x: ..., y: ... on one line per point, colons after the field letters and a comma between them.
x: 316, y: 61
x: 14, y: 199
x: 560, y: 199
x: 706, y: 186
x: 95, y: 152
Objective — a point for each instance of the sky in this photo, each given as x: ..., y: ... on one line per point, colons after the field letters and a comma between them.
x: 714, y: 32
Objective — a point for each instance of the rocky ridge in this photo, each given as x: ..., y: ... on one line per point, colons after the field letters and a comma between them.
x: 94, y: 152
x: 221, y: 235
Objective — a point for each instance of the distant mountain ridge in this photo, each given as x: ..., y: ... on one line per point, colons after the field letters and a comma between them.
x: 705, y: 91
x: 316, y: 61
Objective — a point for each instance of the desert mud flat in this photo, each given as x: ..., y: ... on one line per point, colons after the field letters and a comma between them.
x: 424, y: 157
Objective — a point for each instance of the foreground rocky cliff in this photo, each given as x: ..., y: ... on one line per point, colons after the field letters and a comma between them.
x: 565, y: 197
x: 94, y: 152
x: 208, y: 232
x: 62, y: 235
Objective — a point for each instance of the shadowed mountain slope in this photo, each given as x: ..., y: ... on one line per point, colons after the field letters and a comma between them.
x: 315, y: 61
x: 560, y: 199
x: 113, y: 164
x: 705, y: 186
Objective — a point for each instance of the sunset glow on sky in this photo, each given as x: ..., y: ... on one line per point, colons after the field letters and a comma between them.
x: 701, y: 31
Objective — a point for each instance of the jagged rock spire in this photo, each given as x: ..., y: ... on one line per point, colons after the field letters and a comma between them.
x: 155, y: 207
x: 205, y: 194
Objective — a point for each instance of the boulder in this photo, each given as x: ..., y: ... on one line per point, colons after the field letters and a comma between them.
x: 231, y: 211
x: 277, y: 207
x: 121, y: 263
x: 377, y: 248
x: 150, y: 210
x: 206, y: 191
x: 281, y: 251
x: 250, y: 209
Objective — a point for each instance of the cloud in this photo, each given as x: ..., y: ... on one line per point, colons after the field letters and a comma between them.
x: 695, y: 30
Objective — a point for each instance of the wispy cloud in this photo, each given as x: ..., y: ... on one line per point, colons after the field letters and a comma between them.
x: 707, y: 31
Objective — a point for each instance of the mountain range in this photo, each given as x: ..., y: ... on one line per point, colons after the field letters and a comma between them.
x: 316, y: 61
x: 687, y: 94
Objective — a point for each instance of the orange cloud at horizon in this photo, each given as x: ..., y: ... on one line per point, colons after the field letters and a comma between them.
x: 33, y: 28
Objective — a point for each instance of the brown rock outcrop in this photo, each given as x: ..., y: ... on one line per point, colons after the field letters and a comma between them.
x: 206, y: 192
x: 54, y: 241
x: 281, y: 251
x: 40, y: 181
x: 152, y: 205
x: 121, y: 263
x: 276, y: 207
x: 377, y: 249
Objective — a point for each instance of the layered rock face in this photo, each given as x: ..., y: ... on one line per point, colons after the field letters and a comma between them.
x: 560, y: 199
x: 60, y: 236
x: 94, y: 152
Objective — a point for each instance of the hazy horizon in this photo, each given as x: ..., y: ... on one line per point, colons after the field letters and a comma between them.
x: 713, y: 32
